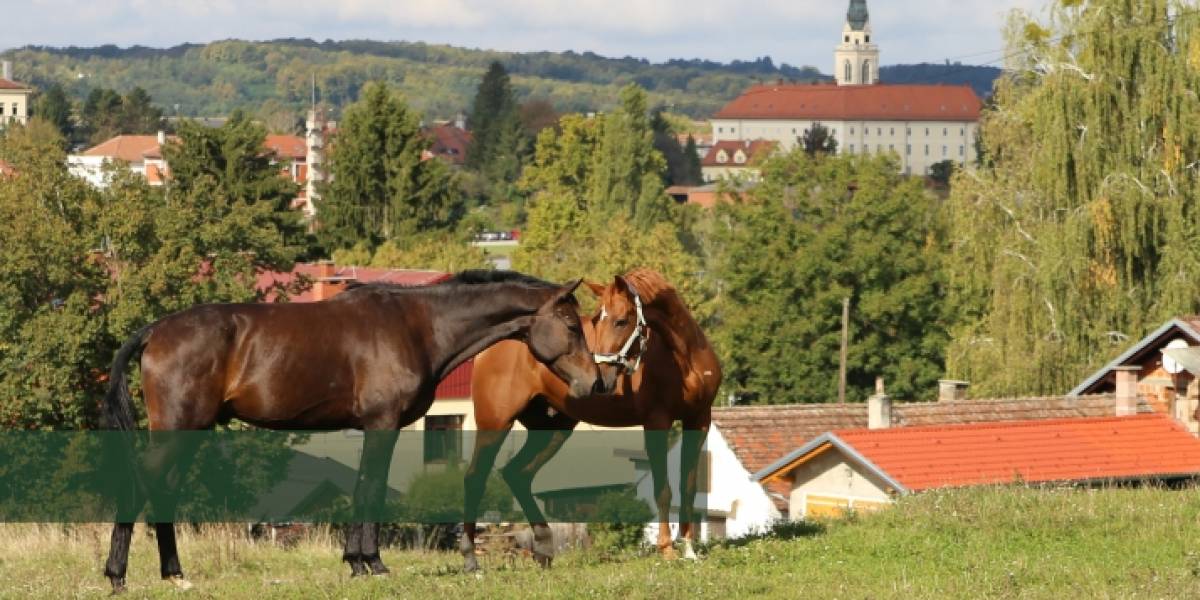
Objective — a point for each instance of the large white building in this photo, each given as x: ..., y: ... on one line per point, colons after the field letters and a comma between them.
x: 920, y: 124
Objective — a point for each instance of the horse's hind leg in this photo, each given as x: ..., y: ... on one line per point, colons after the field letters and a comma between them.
x: 690, y: 454
x: 487, y: 445
x: 171, y: 457
x: 118, y: 556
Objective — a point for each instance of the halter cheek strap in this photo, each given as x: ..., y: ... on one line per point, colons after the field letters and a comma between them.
x: 621, y: 357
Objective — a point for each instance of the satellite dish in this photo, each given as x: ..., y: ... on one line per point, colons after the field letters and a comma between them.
x: 1169, y: 364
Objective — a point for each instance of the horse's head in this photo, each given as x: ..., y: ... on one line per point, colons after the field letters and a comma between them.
x: 620, y: 331
x: 556, y: 339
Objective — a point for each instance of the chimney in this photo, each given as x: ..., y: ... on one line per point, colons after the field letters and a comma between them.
x: 162, y: 137
x: 6, y: 70
x: 879, y: 408
x: 460, y: 120
x: 1127, y: 398
x: 951, y: 390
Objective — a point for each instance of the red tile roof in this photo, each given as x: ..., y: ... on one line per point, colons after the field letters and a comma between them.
x: 1053, y: 450
x: 753, y: 149
x: 759, y: 435
x: 344, y: 275
x: 450, y: 143
x: 129, y: 148
x: 880, y: 102
x: 6, y: 84
x: 291, y: 147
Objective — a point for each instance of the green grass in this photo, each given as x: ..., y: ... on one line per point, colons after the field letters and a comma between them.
x: 983, y: 543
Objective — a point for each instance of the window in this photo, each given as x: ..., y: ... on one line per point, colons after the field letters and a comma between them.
x: 962, y: 151
x: 879, y: 148
x: 945, y: 132
x: 962, y: 131
x: 866, y: 74
x: 879, y: 131
x: 15, y: 109
x: 851, y: 148
x: 908, y: 131
x: 926, y: 131
x: 866, y: 131
x: 793, y: 131
x: 832, y: 133
x: 944, y: 152
x: 868, y: 38
x: 892, y: 131
x: 908, y: 149
x: 926, y: 149
x: 847, y: 40
x: 848, y: 77
x: 720, y: 130
x: 443, y: 438
x: 891, y: 148
x: 851, y: 131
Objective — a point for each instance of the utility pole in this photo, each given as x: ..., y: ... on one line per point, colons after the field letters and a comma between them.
x: 845, y: 343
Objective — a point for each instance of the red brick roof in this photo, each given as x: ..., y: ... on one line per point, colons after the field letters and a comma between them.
x: 6, y: 84
x: 291, y: 147
x: 753, y: 149
x: 1053, y: 450
x: 760, y: 435
x: 879, y: 102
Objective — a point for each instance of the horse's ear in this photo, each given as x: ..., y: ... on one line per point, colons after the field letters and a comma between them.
x: 568, y: 290
x: 620, y: 284
x: 596, y: 288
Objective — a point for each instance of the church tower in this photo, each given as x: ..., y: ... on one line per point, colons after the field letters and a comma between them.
x: 856, y: 60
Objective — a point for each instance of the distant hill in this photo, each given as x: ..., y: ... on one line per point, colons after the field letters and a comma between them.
x: 214, y: 79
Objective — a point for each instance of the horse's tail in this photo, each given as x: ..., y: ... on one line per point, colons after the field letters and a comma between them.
x: 118, y: 402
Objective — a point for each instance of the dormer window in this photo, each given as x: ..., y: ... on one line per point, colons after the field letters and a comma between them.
x: 722, y: 157
x: 740, y: 157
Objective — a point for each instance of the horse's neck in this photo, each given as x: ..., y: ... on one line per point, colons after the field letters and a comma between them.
x: 672, y: 321
x: 479, y: 316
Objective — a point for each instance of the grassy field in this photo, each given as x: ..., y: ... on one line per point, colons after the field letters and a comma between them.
x: 990, y: 543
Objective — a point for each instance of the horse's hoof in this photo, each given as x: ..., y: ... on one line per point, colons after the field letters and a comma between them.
x: 118, y: 585
x: 669, y: 553
x: 543, y: 560
x: 688, y: 552
x: 357, y: 569
x: 180, y: 583
x: 470, y: 564
x: 377, y: 567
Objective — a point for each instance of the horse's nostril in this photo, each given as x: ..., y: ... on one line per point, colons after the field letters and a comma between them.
x: 598, y: 386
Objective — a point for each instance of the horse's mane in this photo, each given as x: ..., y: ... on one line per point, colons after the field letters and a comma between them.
x: 655, y: 290
x: 469, y: 277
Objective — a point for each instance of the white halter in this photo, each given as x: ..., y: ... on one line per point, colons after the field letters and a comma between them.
x: 639, y: 333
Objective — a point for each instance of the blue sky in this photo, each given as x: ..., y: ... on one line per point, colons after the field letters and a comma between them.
x: 797, y: 32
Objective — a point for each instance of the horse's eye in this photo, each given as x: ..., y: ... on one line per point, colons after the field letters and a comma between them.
x: 622, y: 322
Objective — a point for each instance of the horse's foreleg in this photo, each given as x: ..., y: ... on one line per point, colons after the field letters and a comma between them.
x: 370, y: 495
x: 118, y: 556
x: 539, y: 448
x: 171, y: 459
x: 487, y: 445
x: 656, y: 452
x: 689, y: 458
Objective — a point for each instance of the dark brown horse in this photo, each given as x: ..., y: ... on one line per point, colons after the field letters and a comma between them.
x: 647, y: 342
x: 368, y: 359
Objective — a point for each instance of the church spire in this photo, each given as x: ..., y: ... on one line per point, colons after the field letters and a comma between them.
x: 857, y: 16
x: 856, y: 59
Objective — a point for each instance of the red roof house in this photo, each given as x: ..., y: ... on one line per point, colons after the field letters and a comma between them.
x: 830, y: 102
x: 864, y: 468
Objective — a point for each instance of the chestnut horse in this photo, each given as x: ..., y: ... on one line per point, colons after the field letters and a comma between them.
x: 648, y: 342
x: 367, y: 359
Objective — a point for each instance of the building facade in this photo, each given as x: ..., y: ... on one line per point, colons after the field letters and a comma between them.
x: 920, y: 125
x: 14, y: 97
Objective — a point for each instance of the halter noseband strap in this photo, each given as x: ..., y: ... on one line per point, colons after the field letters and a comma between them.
x: 639, y: 334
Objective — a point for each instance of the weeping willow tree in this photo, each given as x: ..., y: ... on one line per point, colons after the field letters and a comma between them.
x: 1081, y: 231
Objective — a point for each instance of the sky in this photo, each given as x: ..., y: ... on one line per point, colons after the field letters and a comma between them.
x: 797, y: 32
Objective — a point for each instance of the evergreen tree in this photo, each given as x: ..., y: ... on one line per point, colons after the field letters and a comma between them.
x: 53, y: 106
x: 380, y: 188
x: 138, y: 113
x: 816, y: 140
x: 815, y: 231
x: 694, y: 173
x: 1083, y: 232
x: 627, y: 171
x: 498, y: 135
x: 679, y: 162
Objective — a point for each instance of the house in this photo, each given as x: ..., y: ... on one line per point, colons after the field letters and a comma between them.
x: 14, y: 97
x: 735, y: 159
x: 143, y: 154
x: 920, y: 124
x: 449, y: 142
x: 1152, y: 379
x: 865, y: 469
